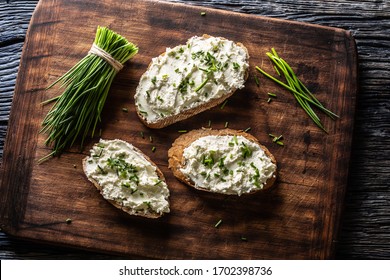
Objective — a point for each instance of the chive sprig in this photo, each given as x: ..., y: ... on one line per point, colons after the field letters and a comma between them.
x: 302, y: 94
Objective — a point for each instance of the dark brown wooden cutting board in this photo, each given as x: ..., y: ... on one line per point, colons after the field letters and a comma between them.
x: 298, y: 219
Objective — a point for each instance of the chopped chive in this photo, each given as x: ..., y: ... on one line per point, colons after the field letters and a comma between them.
x: 102, y: 170
x: 142, y: 135
x: 125, y: 110
x: 209, y: 123
x: 269, y: 100
x: 226, y: 124
x: 151, y: 139
x: 244, y: 238
x: 201, y: 85
x: 256, y: 80
x: 158, y: 182
x: 224, y: 104
x: 153, y: 149
x: 218, y: 223
x: 68, y: 221
x: 182, y: 131
x: 277, y: 139
x: 247, y: 129
x: 203, y: 14
x: 271, y: 94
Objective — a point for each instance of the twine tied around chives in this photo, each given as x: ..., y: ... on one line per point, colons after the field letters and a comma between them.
x: 77, y: 111
x: 106, y: 56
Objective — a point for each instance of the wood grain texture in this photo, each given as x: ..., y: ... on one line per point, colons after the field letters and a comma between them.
x: 365, y: 227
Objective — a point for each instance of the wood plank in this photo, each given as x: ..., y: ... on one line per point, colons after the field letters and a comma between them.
x: 300, y: 214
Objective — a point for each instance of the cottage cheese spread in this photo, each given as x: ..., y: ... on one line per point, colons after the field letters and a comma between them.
x: 188, y: 76
x: 126, y: 177
x: 227, y: 164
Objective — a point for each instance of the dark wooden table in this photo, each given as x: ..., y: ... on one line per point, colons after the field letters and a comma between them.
x: 365, y: 227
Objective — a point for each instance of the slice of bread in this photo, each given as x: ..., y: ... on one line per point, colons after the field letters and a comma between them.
x: 127, y: 178
x: 189, y: 79
x: 223, y: 161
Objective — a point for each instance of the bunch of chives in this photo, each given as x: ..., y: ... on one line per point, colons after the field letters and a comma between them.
x: 304, y: 97
x: 77, y: 111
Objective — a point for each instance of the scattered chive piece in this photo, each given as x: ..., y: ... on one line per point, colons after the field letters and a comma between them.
x: 248, y: 129
x: 151, y: 139
x: 226, y: 124
x: 125, y: 110
x: 182, y: 131
x: 218, y: 223
x: 244, y: 238
x: 269, y: 100
x: 201, y: 85
x: 153, y: 149
x: 74, y: 166
x: 271, y: 94
x: 209, y: 123
x: 303, y: 96
x: 203, y: 13
x: 224, y: 104
x: 277, y: 139
x: 256, y: 80
x: 68, y: 221
x: 158, y: 182
x: 142, y: 135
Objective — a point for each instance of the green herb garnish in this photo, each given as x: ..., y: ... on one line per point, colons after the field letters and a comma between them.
x: 245, y: 150
x: 202, y: 85
x: 224, y: 104
x: 236, y: 66
x: 256, y: 177
x: 123, y: 169
x: 218, y: 223
x: 303, y: 96
x: 158, y: 182
x: 77, y: 111
x: 209, y: 160
x: 277, y: 139
x: 256, y: 80
x: 271, y: 94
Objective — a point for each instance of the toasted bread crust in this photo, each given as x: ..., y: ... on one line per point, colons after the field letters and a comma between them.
x: 128, y: 210
x: 176, y: 159
x: 196, y: 110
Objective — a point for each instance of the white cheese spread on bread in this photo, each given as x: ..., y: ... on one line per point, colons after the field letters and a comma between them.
x: 190, y: 76
x: 126, y: 178
x: 227, y: 164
